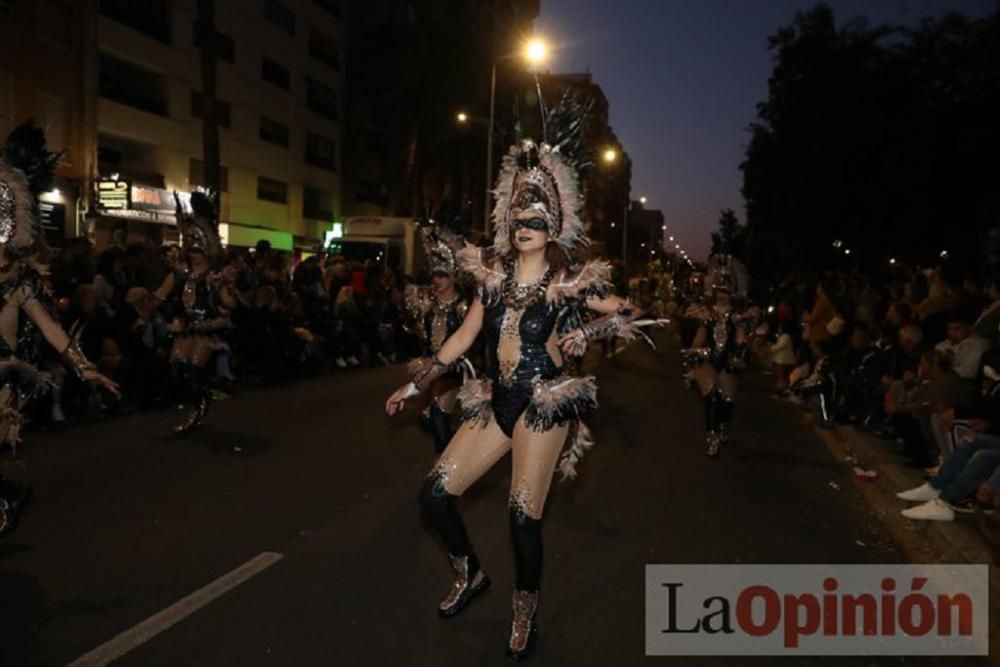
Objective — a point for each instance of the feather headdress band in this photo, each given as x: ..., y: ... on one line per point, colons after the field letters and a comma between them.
x: 544, y: 179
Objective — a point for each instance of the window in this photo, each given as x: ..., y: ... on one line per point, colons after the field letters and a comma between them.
x: 269, y: 189
x: 317, y: 204
x: 332, y: 6
x: 321, y: 151
x: 222, y: 112
x: 150, y: 17
x: 276, y: 74
x: 324, y: 48
x: 280, y: 15
x: 196, y: 175
x: 224, y: 47
x: 321, y: 98
x: 123, y: 82
x: 274, y: 132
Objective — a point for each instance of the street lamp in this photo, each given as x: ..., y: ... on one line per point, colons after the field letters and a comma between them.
x: 462, y: 117
x: 535, y: 52
x: 642, y: 200
x: 610, y: 155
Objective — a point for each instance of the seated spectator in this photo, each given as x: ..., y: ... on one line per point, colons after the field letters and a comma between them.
x: 953, y: 488
x: 965, y: 346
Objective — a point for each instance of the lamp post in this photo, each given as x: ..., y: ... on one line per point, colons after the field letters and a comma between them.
x: 535, y: 52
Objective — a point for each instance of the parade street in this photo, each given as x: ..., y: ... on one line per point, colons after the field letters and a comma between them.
x: 304, y: 496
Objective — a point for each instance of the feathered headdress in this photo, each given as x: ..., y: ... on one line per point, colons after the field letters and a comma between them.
x: 199, y: 227
x: 440, y: 245
x: 27, y: 169
x: 544, y: 178
x: 726, y: 274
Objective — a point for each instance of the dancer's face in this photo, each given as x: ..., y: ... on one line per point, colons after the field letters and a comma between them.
x: 530, y: 232
x: 443, y: 283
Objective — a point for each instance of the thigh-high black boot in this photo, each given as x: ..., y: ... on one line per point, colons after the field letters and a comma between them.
x: 526, y: 533
x: 727, y: 407
x: 470, y: 580
x: 199, y: 398
x: 440, y: 425
x: 713, y: 420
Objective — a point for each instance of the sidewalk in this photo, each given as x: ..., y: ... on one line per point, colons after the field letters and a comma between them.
x: 959, y: 541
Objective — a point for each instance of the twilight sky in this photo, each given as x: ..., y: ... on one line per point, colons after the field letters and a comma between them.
x: 683, y: 78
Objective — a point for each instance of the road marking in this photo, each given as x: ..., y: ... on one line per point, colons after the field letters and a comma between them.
x: 178, y: 611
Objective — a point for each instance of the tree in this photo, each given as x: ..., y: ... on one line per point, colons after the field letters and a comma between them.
x: 881, y: 138
x: 732, y: 237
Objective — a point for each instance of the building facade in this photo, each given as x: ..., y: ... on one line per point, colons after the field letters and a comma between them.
x: 278, y: 106
x: 415, y: 66
x: 44, y: 60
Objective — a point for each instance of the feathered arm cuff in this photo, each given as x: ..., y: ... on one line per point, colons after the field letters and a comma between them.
x: 429, y: 371
x: 75, y: 359
x: 623, y: 323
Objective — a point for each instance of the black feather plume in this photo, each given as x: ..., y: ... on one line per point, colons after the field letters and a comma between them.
x: 25, y: 149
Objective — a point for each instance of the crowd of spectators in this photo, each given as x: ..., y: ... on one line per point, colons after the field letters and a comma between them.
x: 912, y: 357
x: 293, y: 316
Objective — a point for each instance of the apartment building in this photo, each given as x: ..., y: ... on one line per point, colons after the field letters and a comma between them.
x: 279, y: 72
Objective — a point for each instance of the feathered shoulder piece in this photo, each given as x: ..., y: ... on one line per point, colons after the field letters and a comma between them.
x: 592, y: 279
x: 418, y: 300
x: 486, y: 269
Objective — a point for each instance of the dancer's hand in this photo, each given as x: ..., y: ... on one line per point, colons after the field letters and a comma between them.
x: 398, y: 398
x: 104, y: 381
x: 574, y: 344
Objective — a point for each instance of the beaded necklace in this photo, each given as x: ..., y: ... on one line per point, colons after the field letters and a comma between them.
x: 522, y: 296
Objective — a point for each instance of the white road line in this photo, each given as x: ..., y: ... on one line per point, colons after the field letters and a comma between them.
x: 178, y: 611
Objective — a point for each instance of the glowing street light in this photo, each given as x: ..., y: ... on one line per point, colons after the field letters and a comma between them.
x: 536, y: 51
x: 462, y: 117
x: 610, y: 155
x: 642, y: 200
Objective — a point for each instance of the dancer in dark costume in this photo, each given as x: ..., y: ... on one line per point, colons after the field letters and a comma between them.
x: 718, y: 352
x: 200, y: 301
x: 27, y: 169
x: 529, y: 305
x: 438, y: 311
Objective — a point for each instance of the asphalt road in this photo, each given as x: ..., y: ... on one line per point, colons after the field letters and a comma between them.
x: 127, y: 520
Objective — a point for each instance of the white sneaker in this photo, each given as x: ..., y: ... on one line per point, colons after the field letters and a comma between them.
x: 340, y: 362
x: 933, y: 510
x: 921, y: 494
x: 352, y: 360
x: 57, y: 413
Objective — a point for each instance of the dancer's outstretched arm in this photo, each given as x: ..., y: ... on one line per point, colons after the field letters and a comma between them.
x: 58, y: 339
x: 620, y: 319
x: 454, y: 347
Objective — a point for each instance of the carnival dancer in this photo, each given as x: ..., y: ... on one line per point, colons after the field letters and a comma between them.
x: 200, y: 301
x: 531, y: 294
x: 438, y: 311
x: 717, y: 354
x: 27, y: 169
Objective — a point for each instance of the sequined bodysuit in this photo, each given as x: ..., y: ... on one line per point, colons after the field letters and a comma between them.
x: 526, y: 353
